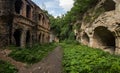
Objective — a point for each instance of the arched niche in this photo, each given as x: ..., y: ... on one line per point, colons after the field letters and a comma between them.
x: 28, y: 37
x: 17, y: 37
x: 18, y: 6
x: 39, y: 17
x: 28, y: 11
x: 103, y: 38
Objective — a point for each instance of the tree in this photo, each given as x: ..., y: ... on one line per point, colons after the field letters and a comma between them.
x: 63, y: 26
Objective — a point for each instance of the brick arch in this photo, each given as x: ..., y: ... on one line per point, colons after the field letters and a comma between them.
x: 109, y: 5
x: 41, y: 18
x: 44, y: 20
x: 104, y: 38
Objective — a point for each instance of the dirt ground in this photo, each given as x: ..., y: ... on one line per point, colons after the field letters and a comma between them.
x: 51, y: 64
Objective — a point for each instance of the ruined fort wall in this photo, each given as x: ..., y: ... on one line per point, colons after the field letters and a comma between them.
x: 20, y: 23
x: 100, y: 26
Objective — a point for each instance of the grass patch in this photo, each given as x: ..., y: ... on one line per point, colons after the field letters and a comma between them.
x: 33, y: 54
x: 6, y: 67
x: 83, y: 59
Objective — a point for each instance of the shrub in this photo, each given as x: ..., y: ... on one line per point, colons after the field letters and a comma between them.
x: 83, y: 59
x: 33, y: 54
x: 6, y: 67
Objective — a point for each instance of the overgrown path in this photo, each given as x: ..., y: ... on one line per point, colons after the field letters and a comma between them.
x: 51, y: 64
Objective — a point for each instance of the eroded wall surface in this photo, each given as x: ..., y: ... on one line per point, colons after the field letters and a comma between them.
x: 22, y: 23
x: 100, y: 27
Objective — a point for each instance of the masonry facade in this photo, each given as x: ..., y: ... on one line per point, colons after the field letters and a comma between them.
x: 104, y: 31
x: 22, y: 23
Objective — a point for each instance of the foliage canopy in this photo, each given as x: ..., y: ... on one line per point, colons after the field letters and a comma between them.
x: 62, y: 26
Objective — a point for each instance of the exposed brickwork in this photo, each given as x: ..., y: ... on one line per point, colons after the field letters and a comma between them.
x: 22, y: 23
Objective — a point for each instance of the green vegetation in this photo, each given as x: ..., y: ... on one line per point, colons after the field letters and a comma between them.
x: 94, y: 13
x: 6, y: 67
x: 83, y: 59
x: 33, y: 54
x: 80, y: 7
x: 63, y: 27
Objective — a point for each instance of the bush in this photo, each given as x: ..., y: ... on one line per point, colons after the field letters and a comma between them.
x: 83, y: 59
x: 6, y: 67
x: 33, y: 54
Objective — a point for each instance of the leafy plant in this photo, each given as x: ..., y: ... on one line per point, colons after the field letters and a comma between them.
x: 83, y: 59
x: 6, y: 67
x: 33, y: 54
x: 62, y: 26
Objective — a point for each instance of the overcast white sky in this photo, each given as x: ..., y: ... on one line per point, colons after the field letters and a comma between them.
x: 55, y: 7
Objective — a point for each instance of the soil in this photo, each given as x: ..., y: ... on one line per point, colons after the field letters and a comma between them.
x: 50, y: 64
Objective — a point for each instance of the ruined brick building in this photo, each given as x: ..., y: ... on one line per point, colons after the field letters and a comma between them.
x: 22, y: 23
x: 100, y: 27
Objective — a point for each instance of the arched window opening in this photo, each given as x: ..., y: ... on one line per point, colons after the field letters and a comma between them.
x: 39, y: 38
x: 39, y: 16
x: 43, y: 20
x: 27, y: 37
x: 17, y: 36
x: 28, y: 11
x: 18, y: 6
x: 43, y: 38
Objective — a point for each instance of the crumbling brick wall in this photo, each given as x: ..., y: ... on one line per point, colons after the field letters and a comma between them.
x: 22, y: 23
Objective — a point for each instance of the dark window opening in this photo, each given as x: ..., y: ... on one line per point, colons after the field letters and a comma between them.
x: 27, y: 37
x: 43, y: 38
x: 28, y: 11
x: 18, y: 6
x: 17, y: 36
x: 33, y: 39
x: 40, y: 37
x: 43, y: 20
x: 39, y: 16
